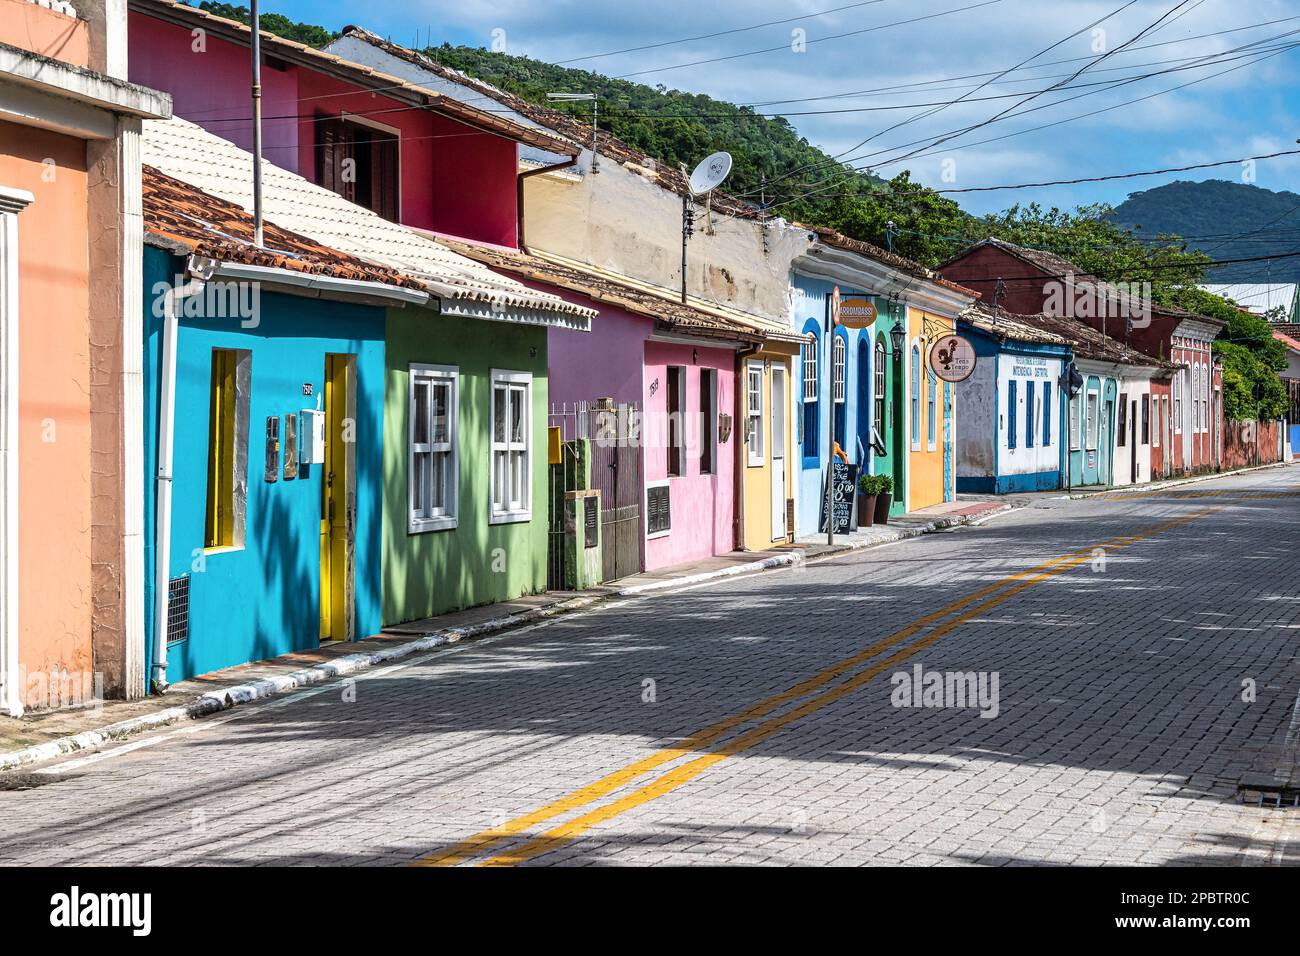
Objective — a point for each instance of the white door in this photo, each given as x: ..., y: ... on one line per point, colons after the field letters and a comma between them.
x: 779, y: 411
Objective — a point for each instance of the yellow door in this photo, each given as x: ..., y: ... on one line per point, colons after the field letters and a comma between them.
x: 338, y: 500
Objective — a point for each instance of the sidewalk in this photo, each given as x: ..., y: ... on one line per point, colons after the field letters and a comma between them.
x: 41, y: 736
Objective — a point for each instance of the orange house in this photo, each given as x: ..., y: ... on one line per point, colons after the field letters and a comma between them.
x: 70, y: 295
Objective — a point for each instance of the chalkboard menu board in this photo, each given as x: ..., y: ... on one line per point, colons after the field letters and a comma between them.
x: 844, y: 484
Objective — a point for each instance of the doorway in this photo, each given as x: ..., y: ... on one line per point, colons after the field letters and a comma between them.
x: 779, y: 410
x: 338, y: 500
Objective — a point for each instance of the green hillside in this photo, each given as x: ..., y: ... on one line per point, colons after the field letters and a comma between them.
x: 1228, y: 220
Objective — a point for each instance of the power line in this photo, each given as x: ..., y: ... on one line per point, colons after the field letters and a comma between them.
x: 786, y: 46
x: 720, y: 33
x: 1055, y: 86
x: 1133, y: 175
x: 839, y: 161
x: 834, y: 185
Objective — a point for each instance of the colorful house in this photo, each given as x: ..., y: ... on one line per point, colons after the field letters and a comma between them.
x: 1031, y: 281
x: 617, y: 212
x: 865, y: 384
x: 1012, y: 416
x: 674, y: 369
x: 264, y: 378
x: 458, y: 412
x: 71, y: 628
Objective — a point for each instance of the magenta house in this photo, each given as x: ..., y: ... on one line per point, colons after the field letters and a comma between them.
x: 660, y: 378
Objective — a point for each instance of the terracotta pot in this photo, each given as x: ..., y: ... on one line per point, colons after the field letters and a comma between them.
x: 866, y: 509
x: 882, y: 508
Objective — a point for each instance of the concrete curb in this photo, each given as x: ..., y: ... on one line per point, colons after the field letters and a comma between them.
x: 1173, y: 482
x: 216, y: 701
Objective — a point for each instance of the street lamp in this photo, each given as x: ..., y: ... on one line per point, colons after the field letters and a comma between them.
x: 897, y: 335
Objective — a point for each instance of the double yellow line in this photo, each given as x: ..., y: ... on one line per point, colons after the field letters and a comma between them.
x: 975, y: 604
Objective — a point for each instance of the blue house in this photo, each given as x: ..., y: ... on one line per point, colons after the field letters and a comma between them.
x: 1010, y: 418
x: 264, y: 396
x: 852, y: 384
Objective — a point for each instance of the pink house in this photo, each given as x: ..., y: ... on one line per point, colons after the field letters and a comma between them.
x: 676, y: 365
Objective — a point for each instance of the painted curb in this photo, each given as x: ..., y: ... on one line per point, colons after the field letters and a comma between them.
x: 216, y: 701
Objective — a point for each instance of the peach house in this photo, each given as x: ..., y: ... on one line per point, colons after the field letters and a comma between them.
x: 71, y: 557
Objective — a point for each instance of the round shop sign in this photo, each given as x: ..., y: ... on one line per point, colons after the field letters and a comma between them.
x: 952, y: 358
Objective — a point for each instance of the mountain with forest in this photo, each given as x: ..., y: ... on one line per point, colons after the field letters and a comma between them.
x: 1225, y: 220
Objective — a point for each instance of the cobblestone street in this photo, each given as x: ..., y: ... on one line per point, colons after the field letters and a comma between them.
x: 1134, y: 657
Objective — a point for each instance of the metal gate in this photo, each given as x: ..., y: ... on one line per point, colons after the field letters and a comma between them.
x: 614, y: 430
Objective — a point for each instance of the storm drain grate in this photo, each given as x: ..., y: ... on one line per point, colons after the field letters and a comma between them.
x: 1270, y: 792
x: 178, y: 609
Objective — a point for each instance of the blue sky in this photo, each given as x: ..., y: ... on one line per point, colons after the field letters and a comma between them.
x: 1250, y: 108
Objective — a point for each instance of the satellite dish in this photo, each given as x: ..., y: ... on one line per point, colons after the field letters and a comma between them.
x: 710, y: 173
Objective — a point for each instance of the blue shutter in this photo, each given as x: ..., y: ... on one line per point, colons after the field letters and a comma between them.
x: 1047, y: 414
x: 1029, y: 414
x: 1012, y: 411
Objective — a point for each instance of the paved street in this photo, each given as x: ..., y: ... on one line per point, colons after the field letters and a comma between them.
x: 1138, y: 655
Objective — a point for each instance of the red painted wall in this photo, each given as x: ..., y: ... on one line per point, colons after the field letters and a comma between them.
x: 210, y: 81
x: 455, y: 179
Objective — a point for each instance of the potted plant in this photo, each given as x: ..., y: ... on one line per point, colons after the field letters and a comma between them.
x: 868, y: 488
x: 884, y: 496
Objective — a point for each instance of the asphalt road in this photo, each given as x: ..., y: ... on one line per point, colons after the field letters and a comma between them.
x: 1094, y: 678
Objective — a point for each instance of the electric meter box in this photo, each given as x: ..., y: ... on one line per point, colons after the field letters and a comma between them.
x: 311, y: 437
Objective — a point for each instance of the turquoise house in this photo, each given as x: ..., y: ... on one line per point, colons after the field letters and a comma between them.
x: 272, y: 526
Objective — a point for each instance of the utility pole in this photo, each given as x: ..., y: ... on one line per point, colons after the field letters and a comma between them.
x: 257, y: 124
x: 832, y: 319
x: 688, y: 230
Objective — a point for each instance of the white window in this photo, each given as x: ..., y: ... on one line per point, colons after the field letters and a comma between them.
x: 433, y: 473
x: 754, y: 411
x: 511, y: 441
x: 1205, y: 398
x: 1076, y: 426
x: 1178, y: 401
x: 1093, y: 421
x: 810, y: 368
x: 837, y: 370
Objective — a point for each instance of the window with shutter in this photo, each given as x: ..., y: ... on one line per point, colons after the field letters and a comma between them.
x: 658, y: 509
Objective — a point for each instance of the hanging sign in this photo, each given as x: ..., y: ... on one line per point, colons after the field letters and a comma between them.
x: 952, y: 358
x: 844, y: 484
x: 857, y: 312
x: 835, y: 306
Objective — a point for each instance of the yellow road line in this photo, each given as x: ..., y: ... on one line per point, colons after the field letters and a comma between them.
x: 482, y: 842
x: 679, y: 776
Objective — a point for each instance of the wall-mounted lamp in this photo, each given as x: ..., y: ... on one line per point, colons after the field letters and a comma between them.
x: 897, y: 335
x: 695, y: 356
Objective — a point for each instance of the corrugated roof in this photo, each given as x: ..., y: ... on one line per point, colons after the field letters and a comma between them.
x: 205, y: 225
x: 362, y: 75
x: 219, y: 168
x: 1258, y: 297
x: 660, y: 305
